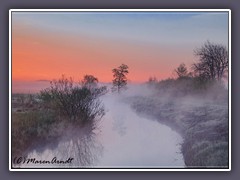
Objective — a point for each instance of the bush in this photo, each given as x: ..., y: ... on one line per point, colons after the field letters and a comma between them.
x: 75, y: 101
x: 65, y: 104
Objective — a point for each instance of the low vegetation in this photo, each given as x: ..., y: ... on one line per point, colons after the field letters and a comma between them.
x: 43, y: 117
x: 195, y: 104
x: 201, y: 117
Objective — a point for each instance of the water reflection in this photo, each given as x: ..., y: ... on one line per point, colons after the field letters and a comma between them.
x: 82, y: 145
x: 121, y: 139
x: 79, y: 143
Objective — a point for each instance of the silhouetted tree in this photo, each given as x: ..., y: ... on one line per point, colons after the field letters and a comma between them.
x: 213, y: 61
x: 120, y: 79
x: 89, y: 81
x: 182, y: 71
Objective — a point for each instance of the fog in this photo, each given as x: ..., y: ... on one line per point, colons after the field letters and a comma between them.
x: 135, y: 141
x: 147, y: 126
x: 123, y: 138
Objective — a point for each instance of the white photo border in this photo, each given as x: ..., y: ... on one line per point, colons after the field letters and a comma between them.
x: 119, y: 10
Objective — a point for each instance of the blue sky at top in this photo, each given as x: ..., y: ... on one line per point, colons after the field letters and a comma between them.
x: 147, y: 27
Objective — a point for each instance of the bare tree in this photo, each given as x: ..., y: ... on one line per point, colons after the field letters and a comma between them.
x: 213, y: 61
x: 74, y: 101
x: 120, y: 79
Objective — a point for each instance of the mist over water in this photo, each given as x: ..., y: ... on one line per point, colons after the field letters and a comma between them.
x: 130, y: 140
x: 123, y: 139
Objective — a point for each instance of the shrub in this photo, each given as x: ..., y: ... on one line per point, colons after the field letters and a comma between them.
x: 75, y: 101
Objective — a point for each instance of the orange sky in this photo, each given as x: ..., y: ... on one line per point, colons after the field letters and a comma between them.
x: 45, y: 46
x: 41, y: 55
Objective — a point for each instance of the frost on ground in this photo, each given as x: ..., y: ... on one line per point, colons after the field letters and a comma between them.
x: 201, y: 119
x: 136, y: 131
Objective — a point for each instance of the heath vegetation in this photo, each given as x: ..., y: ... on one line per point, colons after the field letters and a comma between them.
x: 194, y: 103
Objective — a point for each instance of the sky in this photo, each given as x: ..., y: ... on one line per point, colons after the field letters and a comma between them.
x: 46, y: 45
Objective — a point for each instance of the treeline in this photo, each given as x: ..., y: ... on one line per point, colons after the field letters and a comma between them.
x: 65, y: 103
x: 208, y: 73
x: 195, y: 104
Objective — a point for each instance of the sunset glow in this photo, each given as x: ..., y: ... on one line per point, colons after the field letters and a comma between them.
x: 47, y: 45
